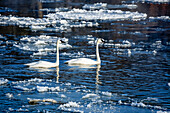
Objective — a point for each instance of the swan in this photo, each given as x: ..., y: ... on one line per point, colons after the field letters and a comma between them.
x: 45, y: 64
x: 87, y: 61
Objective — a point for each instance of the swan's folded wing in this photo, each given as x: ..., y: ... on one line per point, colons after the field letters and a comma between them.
x: 81, y: 61
x: 29, y: 64
x: 42, y: 64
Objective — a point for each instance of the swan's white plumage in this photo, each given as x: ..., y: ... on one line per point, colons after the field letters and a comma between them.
x: 45, y: 64
x: 82, y: 61
x: 86, y: 61
x: 42, y: 64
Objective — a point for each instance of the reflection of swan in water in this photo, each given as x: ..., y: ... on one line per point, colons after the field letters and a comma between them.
x: 57, y: 72
x: 97, y: 78
x: 87, y: 61
x: 45, y: 64
x: 97, y: 74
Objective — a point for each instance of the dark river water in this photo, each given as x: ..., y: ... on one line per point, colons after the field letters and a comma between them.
x: 135, y: 57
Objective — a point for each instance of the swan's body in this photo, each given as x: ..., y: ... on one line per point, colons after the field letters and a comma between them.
x: 86, y: 61
x: 45, y: 64
x: 42, y: 64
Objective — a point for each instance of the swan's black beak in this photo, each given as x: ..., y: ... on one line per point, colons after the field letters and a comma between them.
x: 103, y: 40
x: 62, y: 41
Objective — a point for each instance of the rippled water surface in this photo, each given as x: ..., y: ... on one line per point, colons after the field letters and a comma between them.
x: 135, y: 57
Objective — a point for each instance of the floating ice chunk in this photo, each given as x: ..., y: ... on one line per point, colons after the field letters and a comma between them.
x: 69, y: 104
x: 80, y: 14
x: 39, y: 42
x: 89, y: 105
x: 90, y: 96
x: 3, y: 81
x: 54, y: 89
x: 95, y: 6
x: 50, y: 1
x: 138, y: 104
x: 63, y: 96
x: 109, y: 30
x: 163, y: 18
x: 22, y: 110
x: 6, y: 9
x: 120, y: 102
x: 22, y: 88
x: 35, y: 80
x: 129, y: 6
x: 107, y: 94
x: 42, y: 88
x: 45, y: 88
x: 9, y: 95
x: 157, y: 1
x: 154, y: 52
x: 37, y: 27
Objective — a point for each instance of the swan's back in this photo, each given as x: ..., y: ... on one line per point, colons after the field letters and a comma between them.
x: 82, y: 61
x: 42, y: 64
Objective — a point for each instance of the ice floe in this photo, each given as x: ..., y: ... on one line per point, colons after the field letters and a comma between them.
x: 9, y: 95
x: 107, y: 94
x: 6, y: 9
x: 91, y: 96
x: 163, y: 18
x: 81, y: 14
x: 95, y: 6
x: 70, y: 104
x: 3, y: 81
x: 46, y: 88
x: 41, y: 45
x: 155, y: 1
x: 22, y: 88
x: 128, y: 6
x: 140, y: 104
x: 98, y: 6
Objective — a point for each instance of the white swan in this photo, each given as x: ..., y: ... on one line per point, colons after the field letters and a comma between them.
x: 45, y: 64
x: 87, y: 61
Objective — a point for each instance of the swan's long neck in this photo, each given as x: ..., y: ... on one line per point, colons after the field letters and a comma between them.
x: 57, y: 54
x: 97, y: 53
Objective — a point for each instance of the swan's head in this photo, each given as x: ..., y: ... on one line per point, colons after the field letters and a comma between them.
x: 100, y: 40
x: 59, y: 41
